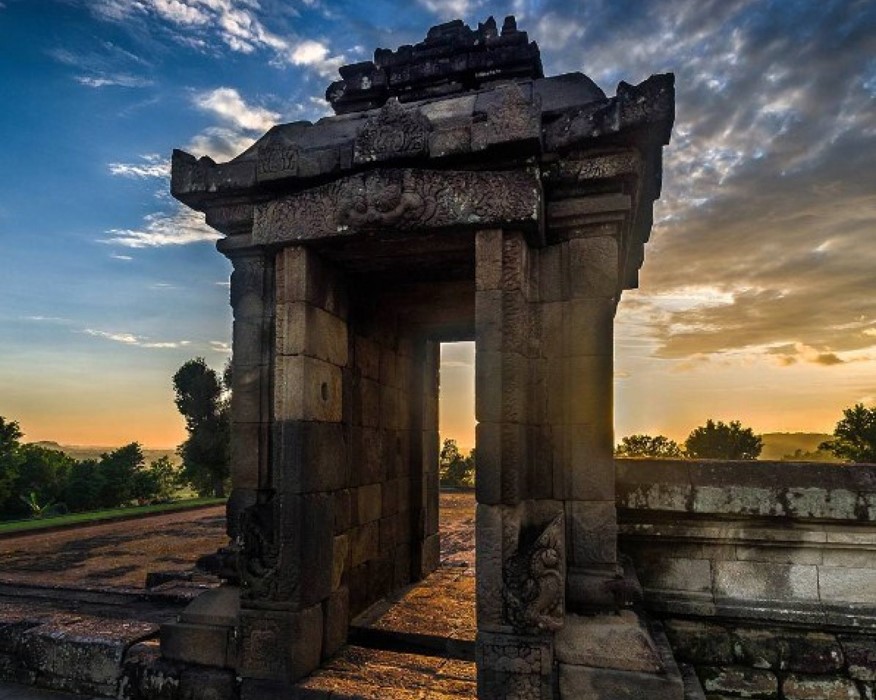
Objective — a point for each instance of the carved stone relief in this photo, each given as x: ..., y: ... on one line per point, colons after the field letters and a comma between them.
x: 394, y: 132
x: 259, y: 557
x: 534, y: 582
x: 400, y: 199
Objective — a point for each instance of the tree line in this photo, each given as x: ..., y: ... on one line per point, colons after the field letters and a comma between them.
x: 36, y: 481
x: 854, y: 440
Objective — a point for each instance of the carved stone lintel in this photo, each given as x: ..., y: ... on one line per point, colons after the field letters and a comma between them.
x: 401, y: 200
x: 535, y: 581
x: 394, y: 132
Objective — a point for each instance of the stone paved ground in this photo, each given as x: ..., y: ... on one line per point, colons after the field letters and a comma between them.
x: 115, y: 555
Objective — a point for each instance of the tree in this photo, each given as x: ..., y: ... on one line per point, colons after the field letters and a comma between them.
x: 854, y: 436
x: 42, y: 478
x: 723, y: 441
x: 453, y: 468
x: 84, y: 486
x: 156, y: 483
x: 118, y: 470
x: 201, y: 397
x: 652, y: 447
x: 10, y: 457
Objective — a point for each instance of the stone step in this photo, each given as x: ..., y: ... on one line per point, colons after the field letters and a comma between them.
x: 616, y: 657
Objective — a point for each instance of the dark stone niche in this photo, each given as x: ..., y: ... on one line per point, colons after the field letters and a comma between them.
x: 453, y: 58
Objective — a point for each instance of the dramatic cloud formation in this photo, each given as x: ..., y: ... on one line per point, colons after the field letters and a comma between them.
x: 768, y: 204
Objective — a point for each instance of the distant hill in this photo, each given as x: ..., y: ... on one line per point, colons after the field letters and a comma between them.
x: 81, y: 452
x: 780, y: 445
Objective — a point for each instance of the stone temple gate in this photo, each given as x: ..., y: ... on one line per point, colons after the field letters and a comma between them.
x: 456, y: 195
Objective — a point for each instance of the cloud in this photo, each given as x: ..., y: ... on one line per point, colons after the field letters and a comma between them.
x: 153, y: 165
x: 179, y: 227
x: 242, y: 124
x: 220, y: 346
x: 227, y: 104
x: 116, y: 256
x: 767, y: 185
x: 106, y: 65
x: 450, y: 9
x: 136, y: 340
x: 117, y: 80
x: 47, y: 319
x: 220, y: 143
x: 201, y: 24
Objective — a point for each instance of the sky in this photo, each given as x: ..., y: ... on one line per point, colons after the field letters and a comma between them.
x: 757, y: 299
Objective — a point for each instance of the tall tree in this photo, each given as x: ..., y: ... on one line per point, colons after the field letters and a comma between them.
x: 202, y: 398
x: 651, y: 447
x: 854, y: 438
x: 10, y: 458
x: 723, y: 441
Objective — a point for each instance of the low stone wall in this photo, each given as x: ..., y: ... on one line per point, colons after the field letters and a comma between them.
x: 763, y: 572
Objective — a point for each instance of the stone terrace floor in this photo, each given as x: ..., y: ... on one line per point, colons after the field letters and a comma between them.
x: 417, y: 645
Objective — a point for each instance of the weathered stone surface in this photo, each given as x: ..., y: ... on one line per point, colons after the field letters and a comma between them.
x: 607, y: 641
x: 759, y: 581
x: 307, y: 389
x: 845, y: 584
x: 295, y: 567
x: 609, y: 684
x: 452, y: 59
x: 310, y: 457
x: 280, y: 645
x: 304, y: 329
x: 80, y: 654
x: 799, y: 687
x: 336, y: 611
x: 365, y: 543
x: 401, y: 200
x: 369, y: 501
x: 592, y: 531
x: 739, y: 681
x: 207, y: 684
x: 701, y: 643
x: 860, y: 654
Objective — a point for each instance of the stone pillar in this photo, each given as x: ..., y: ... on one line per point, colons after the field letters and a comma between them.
x: 578, y: 290
x: 519, y: 535
x: 293, y: 611
x: 252, y: 303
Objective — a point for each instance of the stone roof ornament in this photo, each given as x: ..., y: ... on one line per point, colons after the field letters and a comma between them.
x: 453, y: 58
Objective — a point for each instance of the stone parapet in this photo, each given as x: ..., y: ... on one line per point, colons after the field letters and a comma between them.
x: 764, y: 572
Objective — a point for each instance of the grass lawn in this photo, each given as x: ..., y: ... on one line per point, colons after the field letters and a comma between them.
x: 94, y: 516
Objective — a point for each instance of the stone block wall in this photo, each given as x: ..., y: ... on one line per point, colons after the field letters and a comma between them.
x: 763, y: 572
